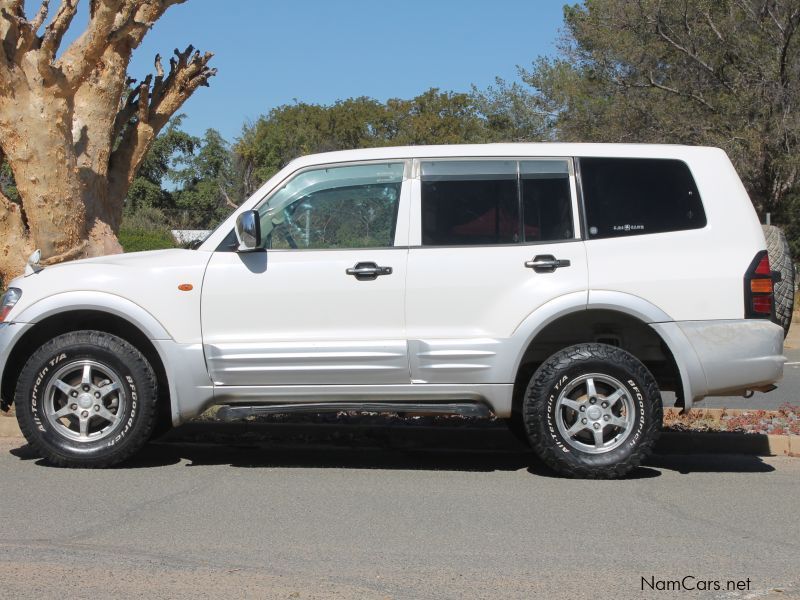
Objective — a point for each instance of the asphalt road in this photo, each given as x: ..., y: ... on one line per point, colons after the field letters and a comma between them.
x: 298, y: 521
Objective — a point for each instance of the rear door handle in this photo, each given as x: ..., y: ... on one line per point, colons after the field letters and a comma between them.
x: 546, y: 263
x: 368, y: 271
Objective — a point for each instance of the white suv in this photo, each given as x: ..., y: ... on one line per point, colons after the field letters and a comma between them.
x: 560, y: 286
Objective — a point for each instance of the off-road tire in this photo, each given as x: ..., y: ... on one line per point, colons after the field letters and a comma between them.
x: 135, y: 424
x: 555, y: 375
x: 780, y: 259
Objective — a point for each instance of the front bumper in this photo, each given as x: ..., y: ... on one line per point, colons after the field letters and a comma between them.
x: 9, y: 334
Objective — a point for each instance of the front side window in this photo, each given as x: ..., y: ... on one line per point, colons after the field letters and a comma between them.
x: 338, y: 207
x: 486, y: 202
x: 635, y: 196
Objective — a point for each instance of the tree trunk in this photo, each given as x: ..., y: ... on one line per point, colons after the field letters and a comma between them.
x: 71, y: 128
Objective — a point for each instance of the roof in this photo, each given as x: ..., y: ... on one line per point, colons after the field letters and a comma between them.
x: 506, y: 150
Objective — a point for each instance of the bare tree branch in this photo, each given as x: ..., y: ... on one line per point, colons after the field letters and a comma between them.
x: 111, y: 22
x: 713, y: 27
x: 84, y: 53
x: 40, y: 16
x: 788, y: 33
x: 148, y: 110
x: 652, y: 83
x: 228, y: 202
x: 55, y: 31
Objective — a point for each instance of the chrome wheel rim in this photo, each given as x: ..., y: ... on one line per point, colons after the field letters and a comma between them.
x: 595, y: 413
x: 85, y: 401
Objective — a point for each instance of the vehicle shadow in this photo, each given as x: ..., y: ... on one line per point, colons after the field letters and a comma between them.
x: 470, y: 446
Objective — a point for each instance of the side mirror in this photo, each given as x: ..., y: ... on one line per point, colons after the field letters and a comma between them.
x: 248, y: 231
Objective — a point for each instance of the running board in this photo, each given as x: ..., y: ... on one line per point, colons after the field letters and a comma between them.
x: 464, y: 409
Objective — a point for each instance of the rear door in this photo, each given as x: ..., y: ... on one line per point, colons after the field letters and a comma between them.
x: 492, y: 241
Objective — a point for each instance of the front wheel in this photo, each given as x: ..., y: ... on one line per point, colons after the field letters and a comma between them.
x: 592, y: 411
x: 86, y: 399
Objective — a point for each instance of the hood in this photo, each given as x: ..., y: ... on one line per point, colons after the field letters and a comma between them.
x: 148, y: 258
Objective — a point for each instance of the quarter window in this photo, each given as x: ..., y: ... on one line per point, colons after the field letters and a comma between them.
x: 546, y: 200
x: 338, y: 207
x: 474, y: 202
x: 635, y: 196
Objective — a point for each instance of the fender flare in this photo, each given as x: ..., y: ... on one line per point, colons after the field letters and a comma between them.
x: 99, y: 301
x: 693, y: 379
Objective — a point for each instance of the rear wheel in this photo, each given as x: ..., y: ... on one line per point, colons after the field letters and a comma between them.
x: 592, y: 411
x: 780, y: 259
x: 86, y: 399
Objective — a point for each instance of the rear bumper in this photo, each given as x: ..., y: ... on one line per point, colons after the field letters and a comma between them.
x: 724, y: 358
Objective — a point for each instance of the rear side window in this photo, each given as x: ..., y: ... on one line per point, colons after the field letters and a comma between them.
x: 636, y: 196
x: 469, y: 203
x: 485, y: 202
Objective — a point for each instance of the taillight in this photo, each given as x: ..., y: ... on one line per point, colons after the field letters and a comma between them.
x: 758, y: 290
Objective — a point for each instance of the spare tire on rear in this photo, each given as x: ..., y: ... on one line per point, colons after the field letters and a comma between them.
x: 780, y: 259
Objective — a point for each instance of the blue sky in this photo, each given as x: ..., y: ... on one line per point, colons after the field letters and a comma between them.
x: 269, y: 53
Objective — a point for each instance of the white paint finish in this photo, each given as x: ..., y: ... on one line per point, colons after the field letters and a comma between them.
x: 737, y: 355
x: 457, y: 297
x: 288, y: 318
x: 140, y: 283
x: 463, y: 304
x: 314, y: 362
x: 190, y: 388
x: 689, y: 275
x: 298, y: 310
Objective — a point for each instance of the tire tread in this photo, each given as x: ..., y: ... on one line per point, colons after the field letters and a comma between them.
x: 534, y: 412
x: 130, y: 354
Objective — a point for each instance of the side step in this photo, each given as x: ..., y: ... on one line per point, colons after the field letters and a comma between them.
x: 464, y: 409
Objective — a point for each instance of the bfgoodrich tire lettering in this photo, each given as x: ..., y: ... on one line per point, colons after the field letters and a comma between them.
x: 592, y: 411
x: 86, y: 399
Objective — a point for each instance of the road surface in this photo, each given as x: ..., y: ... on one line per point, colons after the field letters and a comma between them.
x: 298, y: 521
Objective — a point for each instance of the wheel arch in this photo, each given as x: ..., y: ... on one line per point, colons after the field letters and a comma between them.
x: 617, y: 318
x: 48, y: 322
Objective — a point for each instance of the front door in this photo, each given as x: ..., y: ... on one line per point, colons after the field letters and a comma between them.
x: 323, y: 304
x: 491, y: 241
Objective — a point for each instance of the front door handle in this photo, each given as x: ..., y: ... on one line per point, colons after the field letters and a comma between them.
x: 546, y: 263
x: 368, y: 271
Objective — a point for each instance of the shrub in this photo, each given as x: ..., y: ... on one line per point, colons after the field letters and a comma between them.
x: 137, y: 240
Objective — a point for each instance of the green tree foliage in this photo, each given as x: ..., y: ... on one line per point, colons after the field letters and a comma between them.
x: 206, y: 181
x: 185, y: 182
x: 434, y: 117
x: 7, y: 186
x: 723, y: 73
x: 168, y: 151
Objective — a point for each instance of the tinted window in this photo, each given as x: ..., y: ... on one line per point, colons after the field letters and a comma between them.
x: 478, y: 202
x: 634, y: 196
x: 546, y: 200
x: 469, y: 203
x: 339, y: 207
